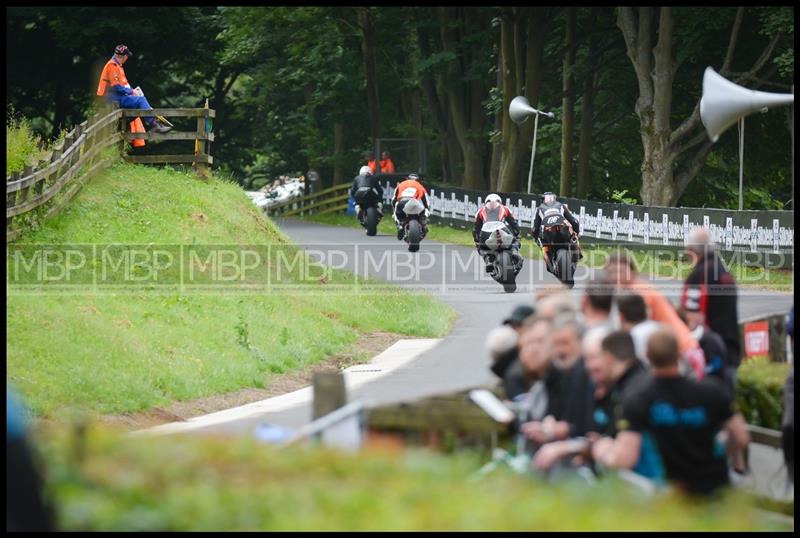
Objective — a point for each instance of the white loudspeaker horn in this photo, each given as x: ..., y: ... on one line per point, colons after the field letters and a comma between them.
x: 519, y: 109
x: 724, y: 102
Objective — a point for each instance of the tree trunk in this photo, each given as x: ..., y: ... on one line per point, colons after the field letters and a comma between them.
x: 338, y: 152
x: 368, y: 54
x: 567, y: 104
x: 465, y: 106
x: 516, y: 144
x: 497, y: 145
x: 587, y: 115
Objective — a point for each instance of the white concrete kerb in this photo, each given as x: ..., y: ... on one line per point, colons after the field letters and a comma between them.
x: 394, y: 357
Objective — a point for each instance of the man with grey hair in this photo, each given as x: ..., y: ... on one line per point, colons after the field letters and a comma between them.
x: 709, y: 295
x: 574, y: 403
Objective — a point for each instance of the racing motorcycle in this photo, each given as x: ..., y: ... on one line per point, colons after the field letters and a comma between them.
x: 413, y: 229
x: 369, y: 208
x: 562, y: 261
x: 497, y: 239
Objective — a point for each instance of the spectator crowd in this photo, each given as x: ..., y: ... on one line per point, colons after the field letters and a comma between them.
x: 622, y: 379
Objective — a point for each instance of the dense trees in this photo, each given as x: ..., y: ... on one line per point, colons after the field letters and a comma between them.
x: 312, y: 87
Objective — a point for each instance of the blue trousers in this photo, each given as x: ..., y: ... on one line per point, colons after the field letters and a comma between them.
x: 137, y: 101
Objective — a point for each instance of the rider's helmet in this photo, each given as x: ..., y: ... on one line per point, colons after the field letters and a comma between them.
x: 365, y: 171
x: 414, y: 177
x: 493, y: 201
x: 549, y: 198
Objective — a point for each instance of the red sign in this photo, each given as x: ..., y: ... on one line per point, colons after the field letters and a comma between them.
x: 756, y: 339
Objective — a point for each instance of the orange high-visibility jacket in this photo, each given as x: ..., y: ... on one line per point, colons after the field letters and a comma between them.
x: 387, y: 166
x: 111, y: 75
x: 373, y: 166
x: 403, y: 186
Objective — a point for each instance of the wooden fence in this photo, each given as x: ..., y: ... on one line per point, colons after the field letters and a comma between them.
x: 330, y: 200
x: 65, y: 168
x: 74, y: 159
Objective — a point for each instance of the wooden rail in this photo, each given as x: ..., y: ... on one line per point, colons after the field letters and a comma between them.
x: 201, y: 136
x: 62, y: 170
x: 72, y: 160
x: 325, y: 201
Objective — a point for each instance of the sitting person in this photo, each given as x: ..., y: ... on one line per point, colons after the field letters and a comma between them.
x: 114, y: 85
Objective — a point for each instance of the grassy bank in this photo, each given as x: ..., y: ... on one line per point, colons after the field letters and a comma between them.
x: 594, y: 256
x: 138, y: 346
x: 206, y: 484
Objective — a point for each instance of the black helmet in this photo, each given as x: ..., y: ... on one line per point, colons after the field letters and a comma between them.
x: 548, y: 197
x: 415, y: 177
x: 122, y: 50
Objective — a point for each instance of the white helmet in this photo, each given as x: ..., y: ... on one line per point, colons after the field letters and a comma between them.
x: 365, y: 171
x: 493, y: 201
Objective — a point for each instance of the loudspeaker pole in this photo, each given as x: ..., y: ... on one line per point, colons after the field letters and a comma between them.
x: 533, y: 150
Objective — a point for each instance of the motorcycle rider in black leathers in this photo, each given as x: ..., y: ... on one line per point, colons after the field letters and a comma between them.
x: 494, y: 210
x: 366, y: 180
x: 549, y: 225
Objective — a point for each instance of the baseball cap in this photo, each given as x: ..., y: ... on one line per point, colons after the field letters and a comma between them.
x: 519, y: 314
x: 123, y: 50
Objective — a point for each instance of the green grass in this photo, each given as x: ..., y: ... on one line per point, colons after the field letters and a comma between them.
x: 594, y: 256
x: 223, y: 484
x: 137, y: 347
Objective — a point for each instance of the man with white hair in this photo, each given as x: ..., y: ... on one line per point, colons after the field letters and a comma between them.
x: 709, y: 295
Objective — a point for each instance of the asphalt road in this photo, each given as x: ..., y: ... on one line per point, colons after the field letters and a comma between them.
x: 452, y: 273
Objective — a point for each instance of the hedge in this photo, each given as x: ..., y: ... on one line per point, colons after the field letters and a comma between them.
x: 759, y: 394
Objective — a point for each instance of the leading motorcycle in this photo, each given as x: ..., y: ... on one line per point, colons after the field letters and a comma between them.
x: 497, y: 239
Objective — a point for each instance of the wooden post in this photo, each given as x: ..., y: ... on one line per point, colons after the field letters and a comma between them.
x: 23, y: 193
x: 201, y: 147
x: 329, y: 393
x: 54, y: 175
x: 11, y: 201
x: 43, y: 163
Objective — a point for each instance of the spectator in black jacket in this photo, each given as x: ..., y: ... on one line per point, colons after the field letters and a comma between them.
x: 671, y: 424
x: 503, y: 347
x: 709, y: 294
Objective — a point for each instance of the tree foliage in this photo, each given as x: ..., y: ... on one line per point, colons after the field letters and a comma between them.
x: 312, y: 86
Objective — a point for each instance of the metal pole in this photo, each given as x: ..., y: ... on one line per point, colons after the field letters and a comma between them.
x: 533, y: 150
x: 791, y: 134
x: 741, y: 161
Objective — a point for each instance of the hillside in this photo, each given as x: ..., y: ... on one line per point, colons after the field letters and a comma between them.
x: 134, y: 346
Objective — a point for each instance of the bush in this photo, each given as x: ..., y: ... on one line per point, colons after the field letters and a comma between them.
x: 22, y: 144
x: 759, y: 395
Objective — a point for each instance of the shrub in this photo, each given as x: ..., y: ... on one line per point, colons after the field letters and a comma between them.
x: 22, y: 144
x: 759, y: 395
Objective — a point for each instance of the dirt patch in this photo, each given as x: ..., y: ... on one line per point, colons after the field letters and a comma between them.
x: 199, y: 217
x: 368, y: 345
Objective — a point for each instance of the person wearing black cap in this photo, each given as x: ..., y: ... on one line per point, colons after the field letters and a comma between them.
x: 502, y: 344
x: 114, y: 85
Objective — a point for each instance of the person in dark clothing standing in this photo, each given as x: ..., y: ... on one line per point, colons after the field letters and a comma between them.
x: 670, y: 425
x: 710, y: 291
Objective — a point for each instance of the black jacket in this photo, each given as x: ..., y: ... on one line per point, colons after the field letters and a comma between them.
x: 711, y: 289
x: 562, y: 209
x: 368, y: 180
